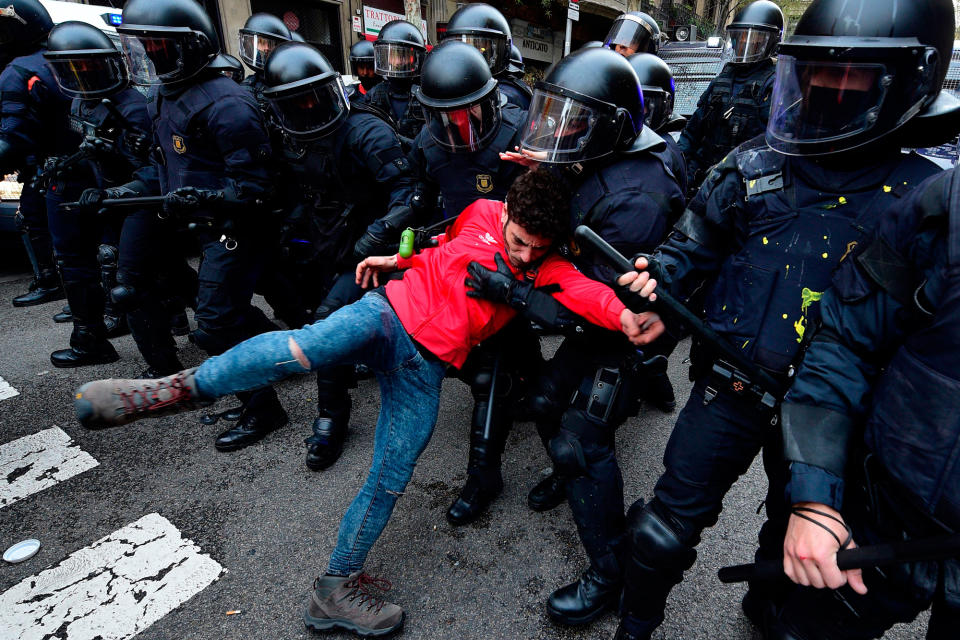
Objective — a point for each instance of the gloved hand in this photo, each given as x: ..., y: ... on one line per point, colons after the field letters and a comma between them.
x: 91, y: 199
x: 371, y: 244
x: 188, y: 198
x: 497, y: 286
x: 383, y: 235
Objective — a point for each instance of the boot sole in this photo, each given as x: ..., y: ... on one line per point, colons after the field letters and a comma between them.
x: 85, y: 363
x: 34, y: 303
x: 331, y: 624
x: 541, y: 507
x: 573, y: 621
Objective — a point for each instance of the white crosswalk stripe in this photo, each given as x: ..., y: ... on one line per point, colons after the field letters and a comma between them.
x: 39, y: 461
x: 6, y: 390
x: 111, y: 590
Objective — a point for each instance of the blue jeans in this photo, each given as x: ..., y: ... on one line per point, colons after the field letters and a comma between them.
x: 365, y: 332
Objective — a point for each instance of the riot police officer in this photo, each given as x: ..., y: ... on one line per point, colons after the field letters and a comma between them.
x: 771, y: 224
x: 347, y: 169
x: 113, y: 120
x: 362, y: 66
x: 397, y: 55
x: 735, y: 106
x: 260, y: 35
x: 886, y: 350
x: 458, y: 155
x: 486, y: 29
x: 33, y: 125
x: 658, y: 93
x: 587, y: 119
x: 213, y: 152
x: 633, y: 32
x: 229, y: 66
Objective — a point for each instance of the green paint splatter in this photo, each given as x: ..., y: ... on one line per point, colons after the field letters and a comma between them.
x: 809, y: 297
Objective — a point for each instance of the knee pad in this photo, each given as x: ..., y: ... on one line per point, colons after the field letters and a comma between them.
x: 543, y: 401
x: 654, y: 542
x: 125, y: 297
x: 107, y: 256
x: 567, y: 454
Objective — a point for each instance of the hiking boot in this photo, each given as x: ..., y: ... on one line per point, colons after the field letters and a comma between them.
x: 349, y: 604
x: 111, y: 403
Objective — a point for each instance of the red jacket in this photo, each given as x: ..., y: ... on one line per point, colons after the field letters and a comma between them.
x: 432, y: 303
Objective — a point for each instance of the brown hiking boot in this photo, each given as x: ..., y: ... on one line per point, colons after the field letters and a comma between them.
x: 111, y: 403
x: 348, y: 604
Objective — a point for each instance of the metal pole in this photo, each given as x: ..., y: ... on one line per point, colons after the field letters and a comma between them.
x: 567, y: 36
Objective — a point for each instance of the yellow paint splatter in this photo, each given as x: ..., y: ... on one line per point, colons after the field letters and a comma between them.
x: 825, y: 238
x: 787, y: 274
x: 735, y: 320
x: 723, y: 308
x: 887, y: 189
x: 785, y: 316
x: 824, y: 255
x: 809, y: 297
x: 843, y: 200
x: 745, y: 343
x: 765, y: 241
x: 753, y: 183
x: 800, y: 326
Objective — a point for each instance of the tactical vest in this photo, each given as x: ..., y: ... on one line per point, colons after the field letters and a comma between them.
x: 408, y: 125
x: 120, y: 138
x: 516, y: 92
x: 765, y: 300
x: 733, y: 117
x: 189, y: 155
x: 914, y: 428
x: 464, y: 178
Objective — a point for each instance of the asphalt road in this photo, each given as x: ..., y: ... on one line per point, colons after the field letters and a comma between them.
x: 271, y: 523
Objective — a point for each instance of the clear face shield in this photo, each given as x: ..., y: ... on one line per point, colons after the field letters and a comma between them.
x: 89, y: 77
x: 630, y: 35
x: 657, y: 107
x: 160, y: 58
x: 394, y: 60
x: 746, y: 45
x: 562, y: 129
x: 312, y: 111
x: 256, y: 47
x: 494, y: 48
x: 466, y: 129
x: 825, y: 102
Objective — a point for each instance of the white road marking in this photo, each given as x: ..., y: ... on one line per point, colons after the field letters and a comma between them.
x: 113, y: 589
x: 39, y: 461
x: 7, y: 391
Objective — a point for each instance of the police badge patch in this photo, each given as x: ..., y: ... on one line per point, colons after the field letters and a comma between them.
x: 179, y: 145
x: 484, y: 183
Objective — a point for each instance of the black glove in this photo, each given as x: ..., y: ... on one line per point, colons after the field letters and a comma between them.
x: 423, y: 239
x: 497, y: 286
x: 372, y: 244
x: 383, y: 235
x: 91, y: 199
x: 189, y: 198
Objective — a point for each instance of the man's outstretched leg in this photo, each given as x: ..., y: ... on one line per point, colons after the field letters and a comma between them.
x: 352, y: 334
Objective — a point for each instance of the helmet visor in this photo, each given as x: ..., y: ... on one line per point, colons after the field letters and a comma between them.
x: 255, y: 47
x: 393, y: 60
x: 558, y: 128
x: 491, y: 47
x: 466, y: 129
x: 817, y: 102
x: 657, y: 105
x: 159, y: 58
x: 312, y: 111
x: 89, y: 76
x: 746, y: 45
x: 628, y: 36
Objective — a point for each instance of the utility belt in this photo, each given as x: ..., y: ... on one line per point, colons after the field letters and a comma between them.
x: 724, y: 378
x: 896, y: 510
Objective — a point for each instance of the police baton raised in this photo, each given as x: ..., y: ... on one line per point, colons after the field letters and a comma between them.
x: 666, y: 303
x: 878, y: 555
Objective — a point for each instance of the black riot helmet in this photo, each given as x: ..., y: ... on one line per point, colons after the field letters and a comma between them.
x: 260, y: 35
x: 484, y: 28
x: 515, y: 66
x: 23, y: 26
x: 459, y: 95
x: 658, y: 88
x: 399, y: 50
x: 296, y: 37
x: 592, y: 44
x: 588, y: 105
x: 84, y: 60
x: 857, y: 70
x: 227, y: 65
x: 166, y: 41
x: 305, y: 91
x: 361, y: 64
x: 634, y: 32
x: 754, y: 33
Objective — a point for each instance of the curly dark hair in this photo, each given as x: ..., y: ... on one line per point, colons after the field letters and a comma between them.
x: 539, y: 201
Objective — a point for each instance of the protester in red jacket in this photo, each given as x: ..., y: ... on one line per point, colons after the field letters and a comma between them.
x: 408, y: 333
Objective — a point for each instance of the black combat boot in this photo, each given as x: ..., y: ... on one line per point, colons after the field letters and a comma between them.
x: 44, y: 288
x: 88, y: 342
x: 586, y: 599
x: 262, y: 413
x: 65, y: 315
x: 333, y: 416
